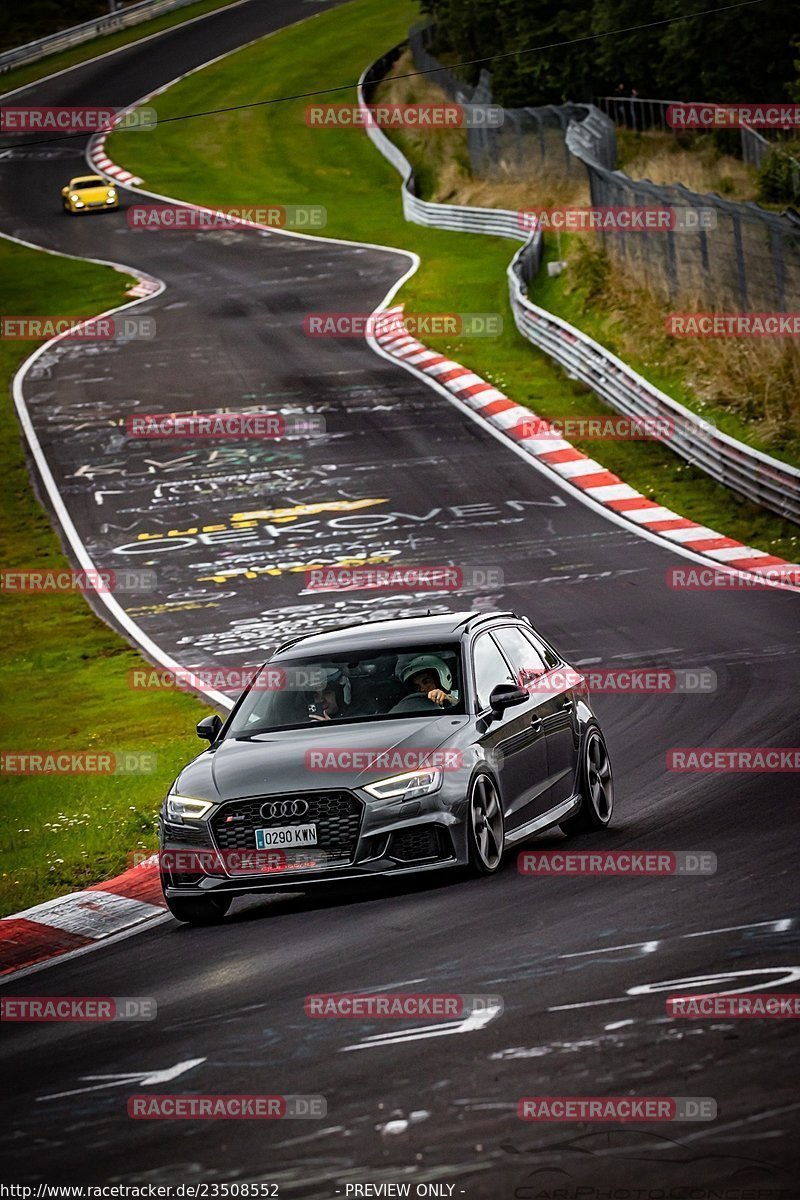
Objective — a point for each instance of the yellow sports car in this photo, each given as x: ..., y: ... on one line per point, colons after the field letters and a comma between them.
x: 88, y: 193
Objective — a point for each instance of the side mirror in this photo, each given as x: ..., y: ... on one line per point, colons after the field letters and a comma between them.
x: 506, y: 695
x: 209, y: 727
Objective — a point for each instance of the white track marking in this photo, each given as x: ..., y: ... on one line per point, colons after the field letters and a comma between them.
x: 782, y: 925
x: 120, y: 1079
x: 473, y: 1021
x: 786, y: 975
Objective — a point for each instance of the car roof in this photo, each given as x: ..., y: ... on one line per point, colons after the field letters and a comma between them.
x: 86, y: 178
x: 389, y: 633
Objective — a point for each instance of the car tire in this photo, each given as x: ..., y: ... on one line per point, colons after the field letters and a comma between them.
x: 198, y: 910
x: 596, y: 786
x: 485, y: 826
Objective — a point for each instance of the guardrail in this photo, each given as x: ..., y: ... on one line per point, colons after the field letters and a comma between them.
x: 751, y: 473
x: 76, y: 34
x: 460, y: 217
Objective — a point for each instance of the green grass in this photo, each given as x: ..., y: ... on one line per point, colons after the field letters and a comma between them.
x: 63, y: 677
x: 268, y: 154
x: 29, y: 73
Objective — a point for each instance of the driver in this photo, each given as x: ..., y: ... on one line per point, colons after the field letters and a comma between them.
x: 332, y: 698
x: 431, y: 678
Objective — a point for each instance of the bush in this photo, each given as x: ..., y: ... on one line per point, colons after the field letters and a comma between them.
x: 779, y: 179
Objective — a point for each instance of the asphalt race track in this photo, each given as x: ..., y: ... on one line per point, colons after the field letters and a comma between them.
x: 582, y: 965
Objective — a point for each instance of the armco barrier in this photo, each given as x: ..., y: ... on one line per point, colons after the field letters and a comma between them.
x: 76, y: 34
x: 743, y: 469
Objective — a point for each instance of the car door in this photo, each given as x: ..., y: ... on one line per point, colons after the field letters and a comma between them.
x: 516, y: 737
x: 531, y: 659
x: 560, y: 722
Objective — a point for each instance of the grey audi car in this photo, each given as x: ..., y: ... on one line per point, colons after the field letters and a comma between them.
x: 381, y: 749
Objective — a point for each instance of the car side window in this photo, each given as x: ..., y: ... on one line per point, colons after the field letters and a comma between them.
x: 526, y: 659
x: 490, y: 668
x: 550, y: 657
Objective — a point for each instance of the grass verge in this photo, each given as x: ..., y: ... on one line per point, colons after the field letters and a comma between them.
x: 269, y: 155
x: 63, y: 678
x: 29, y: 73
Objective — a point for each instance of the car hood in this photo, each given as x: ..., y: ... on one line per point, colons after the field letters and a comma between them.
x: 300, y: 760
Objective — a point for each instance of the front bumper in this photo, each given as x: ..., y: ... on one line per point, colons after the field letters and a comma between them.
x: 392, y: 838
x: 94, y: 206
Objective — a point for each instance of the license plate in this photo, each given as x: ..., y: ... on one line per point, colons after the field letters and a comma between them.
x: 286, y: 835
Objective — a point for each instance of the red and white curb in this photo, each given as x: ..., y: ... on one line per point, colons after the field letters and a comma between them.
x: 100, y: 160
x: 82, y: 919
x: 572, y: 465
x: 145, y: 287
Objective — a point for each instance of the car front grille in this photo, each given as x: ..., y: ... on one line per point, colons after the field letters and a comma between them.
x: 337, y: 816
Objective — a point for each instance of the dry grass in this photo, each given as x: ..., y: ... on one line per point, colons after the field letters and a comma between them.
x: 442, y: 164
x: 756, y: 379
x: 661, y: 158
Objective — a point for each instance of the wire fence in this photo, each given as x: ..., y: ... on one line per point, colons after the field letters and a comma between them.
x: 726, y: 255
x: 640, y: 114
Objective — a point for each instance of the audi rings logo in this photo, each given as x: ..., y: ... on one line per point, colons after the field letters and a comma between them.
x: 284, y: 808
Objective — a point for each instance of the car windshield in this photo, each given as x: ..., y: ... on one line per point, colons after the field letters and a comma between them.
x: 409, y: 681
x: 79, y: 185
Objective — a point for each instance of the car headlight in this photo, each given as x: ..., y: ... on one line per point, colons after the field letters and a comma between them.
x: 179, y: 807
x: 74, y: 198
x: 407, y: 786
x: 112, y: 195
